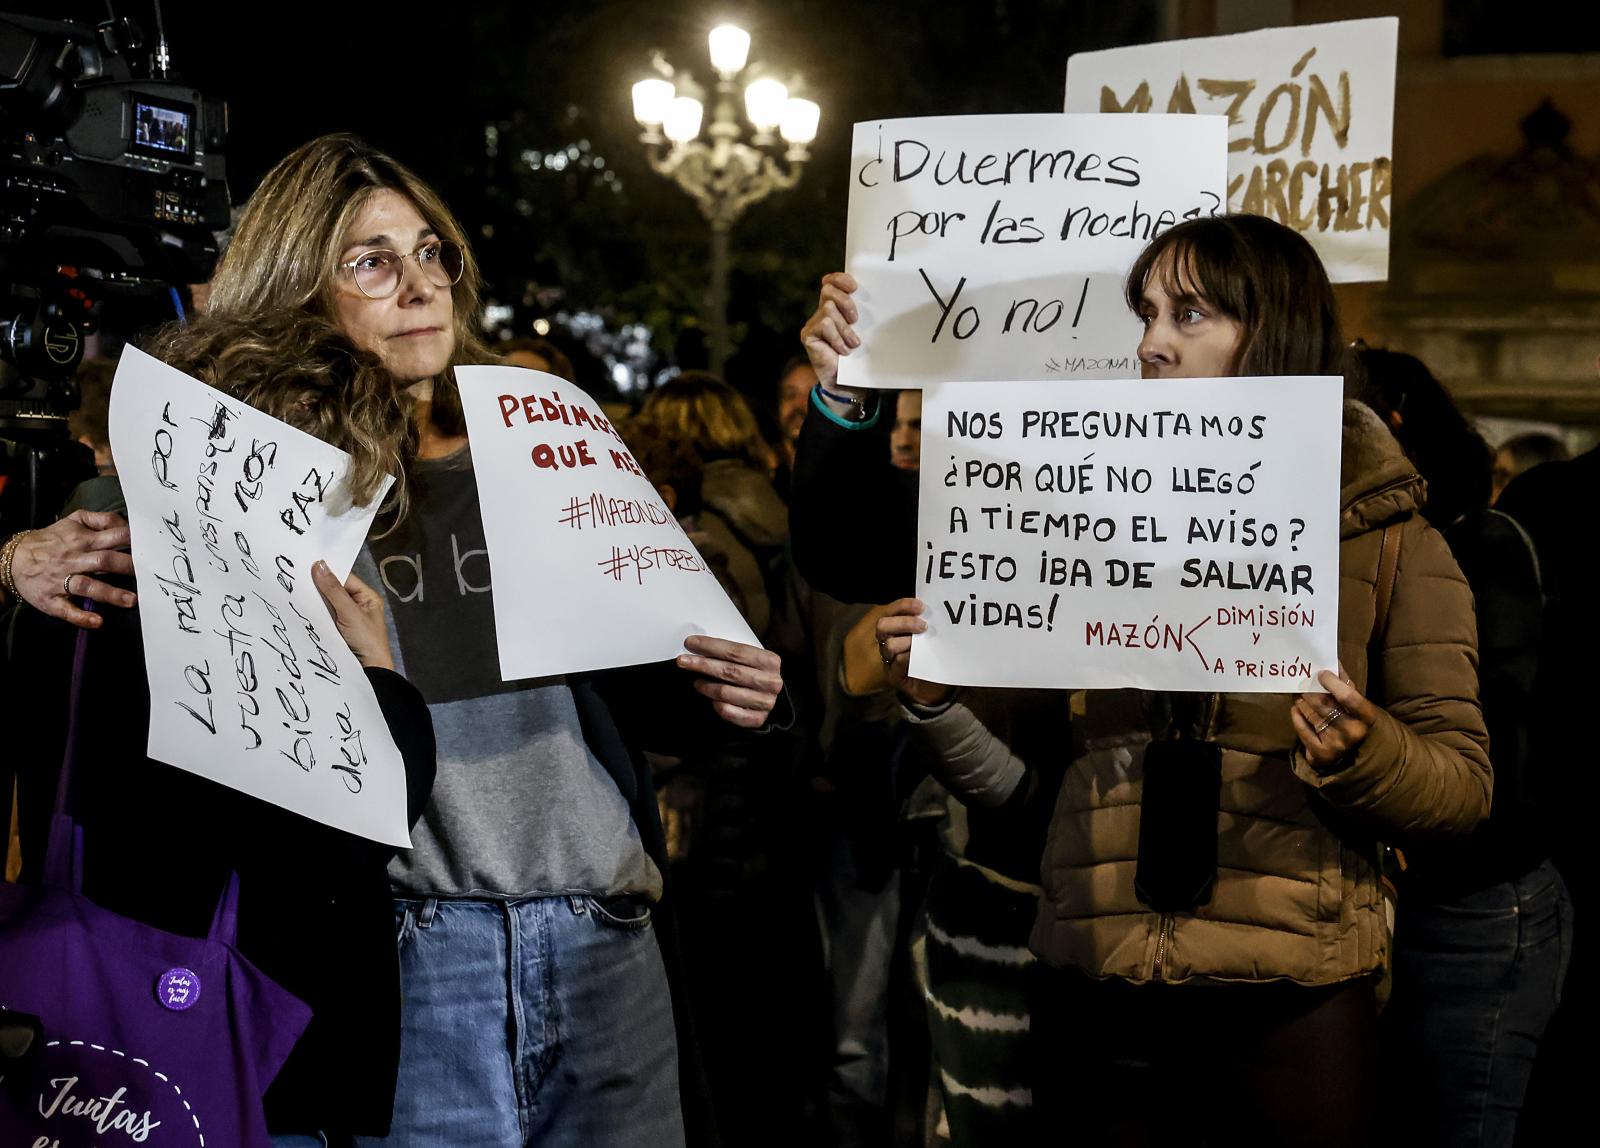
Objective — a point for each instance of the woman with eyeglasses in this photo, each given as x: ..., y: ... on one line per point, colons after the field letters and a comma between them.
x: 535, y: 999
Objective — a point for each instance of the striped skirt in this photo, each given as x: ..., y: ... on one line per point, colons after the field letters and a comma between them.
x: 972, y: 963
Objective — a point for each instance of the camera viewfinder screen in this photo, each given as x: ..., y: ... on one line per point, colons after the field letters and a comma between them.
x: 159, y: 129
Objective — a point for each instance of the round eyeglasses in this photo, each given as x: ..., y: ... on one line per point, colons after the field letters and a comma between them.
x: 377, y: 273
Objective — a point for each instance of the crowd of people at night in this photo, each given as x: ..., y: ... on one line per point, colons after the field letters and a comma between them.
x: 786, y: 893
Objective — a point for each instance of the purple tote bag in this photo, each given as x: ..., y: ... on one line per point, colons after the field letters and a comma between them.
x: 149, y: 1038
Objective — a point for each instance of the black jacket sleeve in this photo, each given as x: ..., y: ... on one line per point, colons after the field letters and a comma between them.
x: 411, y: 726
x: 1500, y: 568
x: 852, y: 514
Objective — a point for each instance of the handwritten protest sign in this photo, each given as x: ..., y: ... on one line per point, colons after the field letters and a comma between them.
x: 1164, y: 535
x: 1311, y: 123
x: 993, y: 246
x: 250, y: 684
x: 591, y: 570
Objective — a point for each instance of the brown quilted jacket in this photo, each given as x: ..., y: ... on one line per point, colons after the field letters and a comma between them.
x: 1297, y: 895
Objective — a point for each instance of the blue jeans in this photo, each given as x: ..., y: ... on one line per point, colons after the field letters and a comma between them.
x: 1476, y: 980
x: 545, y: 1021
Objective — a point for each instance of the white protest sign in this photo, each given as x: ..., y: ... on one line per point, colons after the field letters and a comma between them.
x: 251, y: 685
x: 1311, y: 123
x: 993, y: 246
x: 1161, y: 535
x: 591, y: 570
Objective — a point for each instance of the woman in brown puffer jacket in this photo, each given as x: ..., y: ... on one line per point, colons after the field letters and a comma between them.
x: 1245, y: 1014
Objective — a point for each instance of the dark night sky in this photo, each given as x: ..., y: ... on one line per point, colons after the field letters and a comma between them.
x: 423, y: 83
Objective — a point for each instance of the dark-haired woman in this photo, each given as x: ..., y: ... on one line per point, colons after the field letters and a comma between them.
x: 1250, y: 1016
x: 1484, y: 923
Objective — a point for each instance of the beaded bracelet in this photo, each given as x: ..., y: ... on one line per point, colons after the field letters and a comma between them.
x: 8, y: 553
x: 859, y: 402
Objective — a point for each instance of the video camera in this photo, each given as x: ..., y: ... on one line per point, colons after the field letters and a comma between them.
x: 111, y: 183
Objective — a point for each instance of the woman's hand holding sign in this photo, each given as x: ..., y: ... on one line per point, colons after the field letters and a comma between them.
x: 894, y: 643
x: 1334, y: 724
x: 828, y: 334
x: 742, y: 681
x: 357, y: 611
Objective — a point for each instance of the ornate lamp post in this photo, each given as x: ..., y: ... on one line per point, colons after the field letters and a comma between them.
x: 740, y: 163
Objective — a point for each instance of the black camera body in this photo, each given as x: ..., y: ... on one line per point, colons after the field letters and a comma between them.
x: 111, y: 183
x: 133, y: 187
x: 108, y: 182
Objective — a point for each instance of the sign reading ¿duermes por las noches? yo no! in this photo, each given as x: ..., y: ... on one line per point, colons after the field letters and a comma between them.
x: 1163, y: 535
x: 991, y: 247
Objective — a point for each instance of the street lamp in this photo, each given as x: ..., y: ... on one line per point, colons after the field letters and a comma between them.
x: 734, y: 167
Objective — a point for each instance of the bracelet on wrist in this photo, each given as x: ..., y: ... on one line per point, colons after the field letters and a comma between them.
x: 8, y: 554
x: 859, y: 402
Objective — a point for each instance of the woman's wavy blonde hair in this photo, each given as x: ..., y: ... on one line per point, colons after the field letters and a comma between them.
x: 306, y: 372
x: 285, y: 250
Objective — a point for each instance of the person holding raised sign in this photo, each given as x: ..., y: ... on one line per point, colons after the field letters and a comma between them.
x: 524, y: 908
x: 1213, y: 925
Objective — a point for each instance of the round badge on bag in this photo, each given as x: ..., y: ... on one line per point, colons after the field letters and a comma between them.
x: 178, y: 989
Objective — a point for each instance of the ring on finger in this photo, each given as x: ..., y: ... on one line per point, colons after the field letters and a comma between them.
x: 1332, y: 716
x: 66, y: 586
